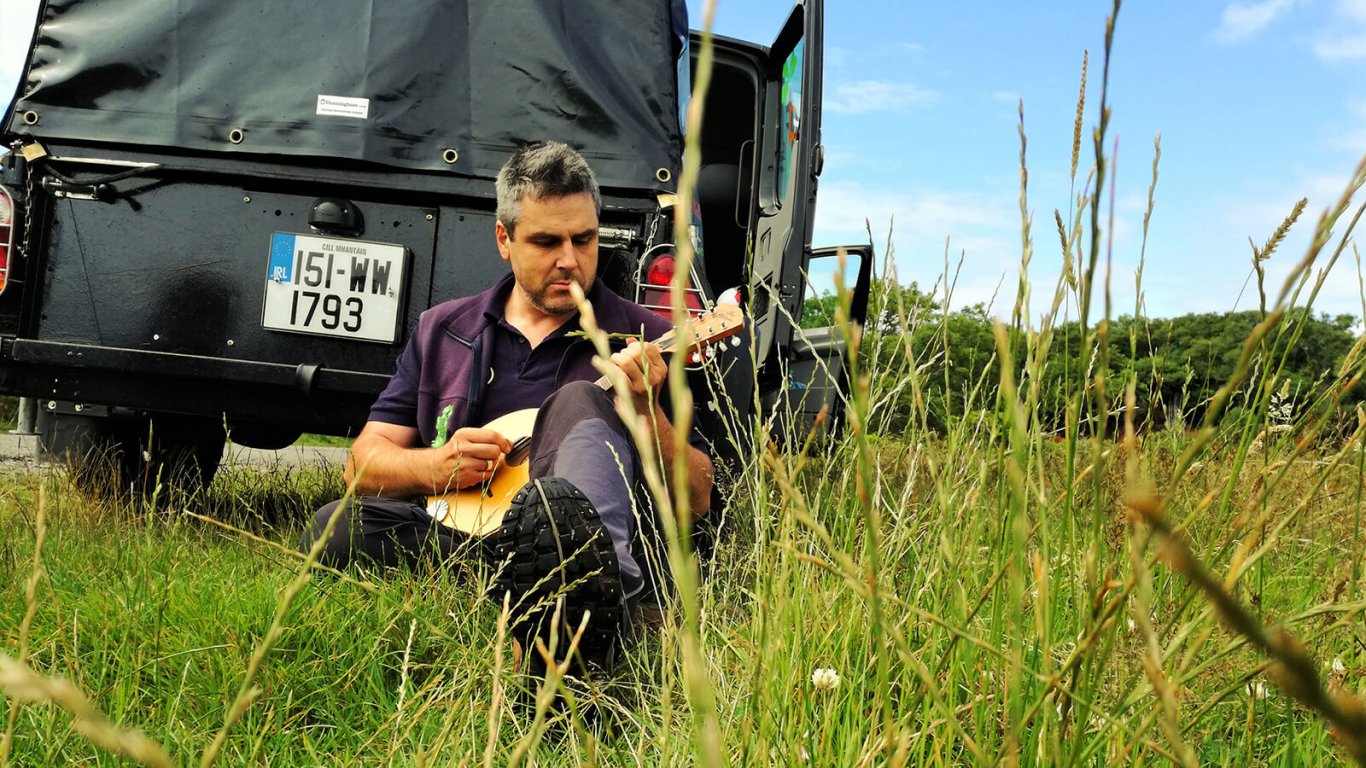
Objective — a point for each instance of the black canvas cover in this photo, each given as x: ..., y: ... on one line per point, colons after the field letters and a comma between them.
x: 404, y: 83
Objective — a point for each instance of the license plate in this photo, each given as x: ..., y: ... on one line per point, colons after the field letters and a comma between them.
x: 332, y: 286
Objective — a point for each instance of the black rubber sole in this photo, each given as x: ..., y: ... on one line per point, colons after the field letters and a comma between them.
x: 552, y: 544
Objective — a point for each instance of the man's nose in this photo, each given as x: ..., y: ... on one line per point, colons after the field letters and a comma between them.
x: 567, y: 256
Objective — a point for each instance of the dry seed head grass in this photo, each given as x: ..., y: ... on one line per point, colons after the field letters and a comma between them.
x: 23, y: 684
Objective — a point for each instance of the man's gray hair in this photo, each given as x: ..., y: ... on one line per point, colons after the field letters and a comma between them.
x: 544, y: 169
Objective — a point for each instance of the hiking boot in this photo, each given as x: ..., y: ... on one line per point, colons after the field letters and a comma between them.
x: 552, y: 545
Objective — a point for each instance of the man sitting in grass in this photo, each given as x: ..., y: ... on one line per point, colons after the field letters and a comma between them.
x: 512, y: 347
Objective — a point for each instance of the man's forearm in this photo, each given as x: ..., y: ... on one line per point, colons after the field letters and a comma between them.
x: 395, y: 472
x: 384, y: 463
x: 699, y: 465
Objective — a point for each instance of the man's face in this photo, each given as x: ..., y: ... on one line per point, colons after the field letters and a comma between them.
x: 556, y: 244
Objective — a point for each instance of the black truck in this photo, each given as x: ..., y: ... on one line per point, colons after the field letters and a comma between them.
x: 225, y: 218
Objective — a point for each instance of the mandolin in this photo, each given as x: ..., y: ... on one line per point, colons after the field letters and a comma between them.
x: 479, y: 509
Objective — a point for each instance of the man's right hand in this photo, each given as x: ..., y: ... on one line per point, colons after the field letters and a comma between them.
x: 472, y: 454
x: 385, y: 462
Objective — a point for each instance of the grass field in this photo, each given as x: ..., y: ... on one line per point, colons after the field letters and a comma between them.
x: 1008, y: 629
x: 992, y: 592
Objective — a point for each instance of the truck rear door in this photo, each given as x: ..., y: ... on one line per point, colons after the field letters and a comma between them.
x: 789, y: 160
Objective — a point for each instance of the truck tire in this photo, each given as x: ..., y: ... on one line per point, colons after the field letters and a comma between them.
x: 154, y: 457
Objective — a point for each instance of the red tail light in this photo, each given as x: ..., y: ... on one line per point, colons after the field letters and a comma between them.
x: 658, y: 278
x: 6, y: 235
x: 661, y: 272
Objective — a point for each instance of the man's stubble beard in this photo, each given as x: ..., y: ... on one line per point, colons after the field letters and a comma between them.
x: 537, y: 297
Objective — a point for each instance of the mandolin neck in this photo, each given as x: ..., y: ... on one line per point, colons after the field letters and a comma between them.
x: 665, y: 344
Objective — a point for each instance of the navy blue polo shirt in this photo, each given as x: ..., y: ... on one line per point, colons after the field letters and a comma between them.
x: 520, y: 376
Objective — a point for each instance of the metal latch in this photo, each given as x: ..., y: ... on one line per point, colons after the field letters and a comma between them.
x: 62, y: 190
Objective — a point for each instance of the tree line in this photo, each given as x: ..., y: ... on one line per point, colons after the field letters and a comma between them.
x: 1176, y: 364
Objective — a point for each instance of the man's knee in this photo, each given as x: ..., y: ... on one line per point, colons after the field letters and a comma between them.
x: 572, y: 407
x: 581, y: 398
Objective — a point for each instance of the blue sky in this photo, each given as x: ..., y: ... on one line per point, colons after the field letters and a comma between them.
x: 1258, y: 102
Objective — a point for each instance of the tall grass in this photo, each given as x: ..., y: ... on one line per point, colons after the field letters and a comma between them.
x: 986, y: 593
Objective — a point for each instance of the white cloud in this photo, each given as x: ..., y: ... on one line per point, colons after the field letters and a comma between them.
x: 1352, y: 138
x: 1338, y: 294
x: 921, y: 221
x: 843, y: 206
x: 865, y: 96
x: 1258, y: 218
x: 1244, y: 19
x: 1340, y: 47
x: 1352, y: 9
x: 1214, y: 281
x: 1344, y: 39
x: 982, y: 229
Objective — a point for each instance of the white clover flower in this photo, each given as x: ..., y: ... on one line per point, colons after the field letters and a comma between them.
x: 825, y: 679
x: 1338, y: 667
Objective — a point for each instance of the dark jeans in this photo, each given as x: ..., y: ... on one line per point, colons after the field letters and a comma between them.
x: 578, y: 437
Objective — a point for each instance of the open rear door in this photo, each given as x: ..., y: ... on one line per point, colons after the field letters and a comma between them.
x: 790, y: 159
x: 816, y: 366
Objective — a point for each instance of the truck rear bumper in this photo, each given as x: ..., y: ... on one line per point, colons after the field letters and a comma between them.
x: 316, y: 398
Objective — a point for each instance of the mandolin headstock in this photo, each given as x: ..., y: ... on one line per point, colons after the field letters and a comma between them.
x: 703, y: 330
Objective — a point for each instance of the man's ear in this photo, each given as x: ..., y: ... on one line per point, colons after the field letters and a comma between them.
x: 504, y: 240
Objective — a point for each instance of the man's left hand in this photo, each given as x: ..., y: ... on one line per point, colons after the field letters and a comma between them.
x: 645, y: 370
